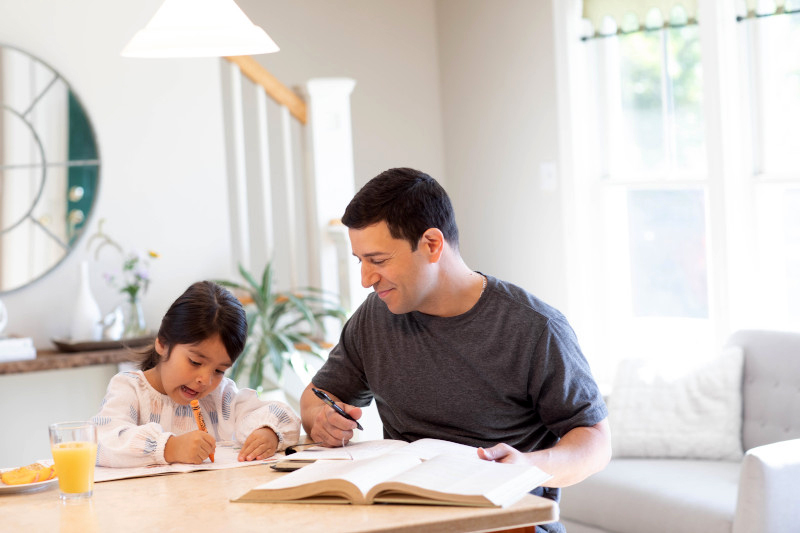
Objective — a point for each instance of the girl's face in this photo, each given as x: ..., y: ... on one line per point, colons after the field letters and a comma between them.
x: 191, y: 371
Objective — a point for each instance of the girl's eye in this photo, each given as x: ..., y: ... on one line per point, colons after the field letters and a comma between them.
x: 220, y: 372
x: 194, y: 363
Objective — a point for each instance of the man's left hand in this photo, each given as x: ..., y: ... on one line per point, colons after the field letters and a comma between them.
x: 503, y: 453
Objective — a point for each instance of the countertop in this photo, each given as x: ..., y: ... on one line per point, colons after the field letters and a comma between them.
x: 52, y: 360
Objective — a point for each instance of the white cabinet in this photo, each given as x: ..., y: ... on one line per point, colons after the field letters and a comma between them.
x: 30, y: 401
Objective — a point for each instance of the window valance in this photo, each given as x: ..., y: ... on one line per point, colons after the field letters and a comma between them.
x: 762, y: 8
x: 609, y: 17
x: 625, y: 16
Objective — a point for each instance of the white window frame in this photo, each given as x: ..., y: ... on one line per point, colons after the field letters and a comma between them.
x: 728, y: 184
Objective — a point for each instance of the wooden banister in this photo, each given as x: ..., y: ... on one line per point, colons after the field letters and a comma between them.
x: 272, y: 85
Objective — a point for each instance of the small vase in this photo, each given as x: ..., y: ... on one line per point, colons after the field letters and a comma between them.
x: 3, y: 318
x: 134, y: 319
x: 86, y: 318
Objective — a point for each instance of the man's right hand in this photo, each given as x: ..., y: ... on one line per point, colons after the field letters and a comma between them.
x: 323, y: 424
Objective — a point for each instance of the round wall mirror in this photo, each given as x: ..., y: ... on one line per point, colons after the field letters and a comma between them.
x: 49, y: 169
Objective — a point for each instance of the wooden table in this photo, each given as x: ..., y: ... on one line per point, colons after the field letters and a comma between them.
x: 200, y: 501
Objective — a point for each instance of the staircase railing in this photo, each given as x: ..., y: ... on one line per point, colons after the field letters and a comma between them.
x: 290, y: 176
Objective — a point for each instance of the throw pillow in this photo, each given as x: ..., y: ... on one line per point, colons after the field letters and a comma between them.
x: 657, y: 410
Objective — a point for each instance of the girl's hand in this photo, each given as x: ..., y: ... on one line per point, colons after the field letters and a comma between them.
x: 192, y: 448
x: 261, y: 443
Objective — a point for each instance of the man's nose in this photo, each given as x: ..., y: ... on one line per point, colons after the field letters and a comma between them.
x: 368, y: 275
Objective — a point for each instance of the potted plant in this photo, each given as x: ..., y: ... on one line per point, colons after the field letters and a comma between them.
x: 280, y: 324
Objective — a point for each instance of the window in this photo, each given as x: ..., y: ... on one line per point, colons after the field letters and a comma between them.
x: 680, y: 242
x: 653, y: 86
x: 774, y: 98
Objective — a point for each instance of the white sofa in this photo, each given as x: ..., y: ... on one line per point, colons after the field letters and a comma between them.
x: 759, y: 494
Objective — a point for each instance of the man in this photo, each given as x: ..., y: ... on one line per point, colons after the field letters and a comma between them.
x: 454, y: 354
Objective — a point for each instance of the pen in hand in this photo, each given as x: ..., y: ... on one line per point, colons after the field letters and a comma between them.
x: 201, y: 424
x: 327, y: 399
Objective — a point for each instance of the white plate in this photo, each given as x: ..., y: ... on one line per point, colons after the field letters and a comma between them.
x: 28, y: 487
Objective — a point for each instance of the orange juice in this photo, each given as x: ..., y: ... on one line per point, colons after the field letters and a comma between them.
x: 75, y: 466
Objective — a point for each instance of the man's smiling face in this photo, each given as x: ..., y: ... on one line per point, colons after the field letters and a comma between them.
x: 401, y: 278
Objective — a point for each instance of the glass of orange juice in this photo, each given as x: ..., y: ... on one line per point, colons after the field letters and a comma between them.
x: 74, y: 448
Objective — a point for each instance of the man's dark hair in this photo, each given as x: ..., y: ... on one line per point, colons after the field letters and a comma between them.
x: 409, y: 201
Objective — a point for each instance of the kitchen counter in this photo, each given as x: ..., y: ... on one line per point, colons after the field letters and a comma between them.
x: 53, y: 387
x: 52, y: 360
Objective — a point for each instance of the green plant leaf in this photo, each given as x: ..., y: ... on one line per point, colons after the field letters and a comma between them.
x: 254, y: 289
x: 277, y: 322
x: 302, y: 307
x: 253, y: 319
x: 282, y: 342
x: 257, y: 371
x: 240, y: 363
x: 232, y: 285
x: 266, y: 283
x: 277, y: 361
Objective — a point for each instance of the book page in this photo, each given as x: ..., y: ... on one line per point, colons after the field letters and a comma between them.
x: 500, y: 483
x: 352, y: 451
x: 364, y: 473
x: 224, y: 457
x: 428, y: 448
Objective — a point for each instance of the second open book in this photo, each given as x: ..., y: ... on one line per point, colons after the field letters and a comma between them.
x: 428, y: 471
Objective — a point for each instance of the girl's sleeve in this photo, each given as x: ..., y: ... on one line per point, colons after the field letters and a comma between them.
x: 121, y: 441
x: 249, y: 413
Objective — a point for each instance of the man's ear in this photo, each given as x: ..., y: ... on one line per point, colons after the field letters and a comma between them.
x: 432, y: 244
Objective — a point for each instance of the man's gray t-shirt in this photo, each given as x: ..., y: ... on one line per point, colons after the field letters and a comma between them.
x: 508, y: 370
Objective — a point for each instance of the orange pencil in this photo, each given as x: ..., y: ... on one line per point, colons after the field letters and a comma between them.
x: 198, y: 417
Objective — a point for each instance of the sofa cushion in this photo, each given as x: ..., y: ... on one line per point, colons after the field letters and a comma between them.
x: 771, y: 386
x: 656, y: 496
x: 666, y: 410
x: 576, y: 527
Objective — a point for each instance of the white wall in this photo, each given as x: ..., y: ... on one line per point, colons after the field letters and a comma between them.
x: 462, y: 86
x: 389, y: 47
x: 159, y: 125
x: 462, y: 89
x: 500, y: 124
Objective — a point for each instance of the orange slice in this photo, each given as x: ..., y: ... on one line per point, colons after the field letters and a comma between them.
x: 28, y: 474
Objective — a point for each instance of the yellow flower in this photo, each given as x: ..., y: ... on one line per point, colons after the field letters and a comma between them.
x: 153, y: 254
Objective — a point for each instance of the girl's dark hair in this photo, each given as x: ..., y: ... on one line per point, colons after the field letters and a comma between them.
x: 205, y: 309
x: 409, y: 201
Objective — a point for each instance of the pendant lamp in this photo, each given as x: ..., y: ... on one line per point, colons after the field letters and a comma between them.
x: 199, y: 28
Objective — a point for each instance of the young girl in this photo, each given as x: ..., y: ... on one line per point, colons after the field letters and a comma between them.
x: 146, y: 418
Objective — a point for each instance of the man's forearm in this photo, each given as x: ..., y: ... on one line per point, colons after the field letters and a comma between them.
x: 580, y: 453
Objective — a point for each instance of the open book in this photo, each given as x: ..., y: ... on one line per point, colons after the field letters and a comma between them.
x: 428, y: 471
x: 225, y: 456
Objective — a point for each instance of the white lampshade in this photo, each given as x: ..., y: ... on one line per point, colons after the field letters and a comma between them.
x: 199, y: 28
